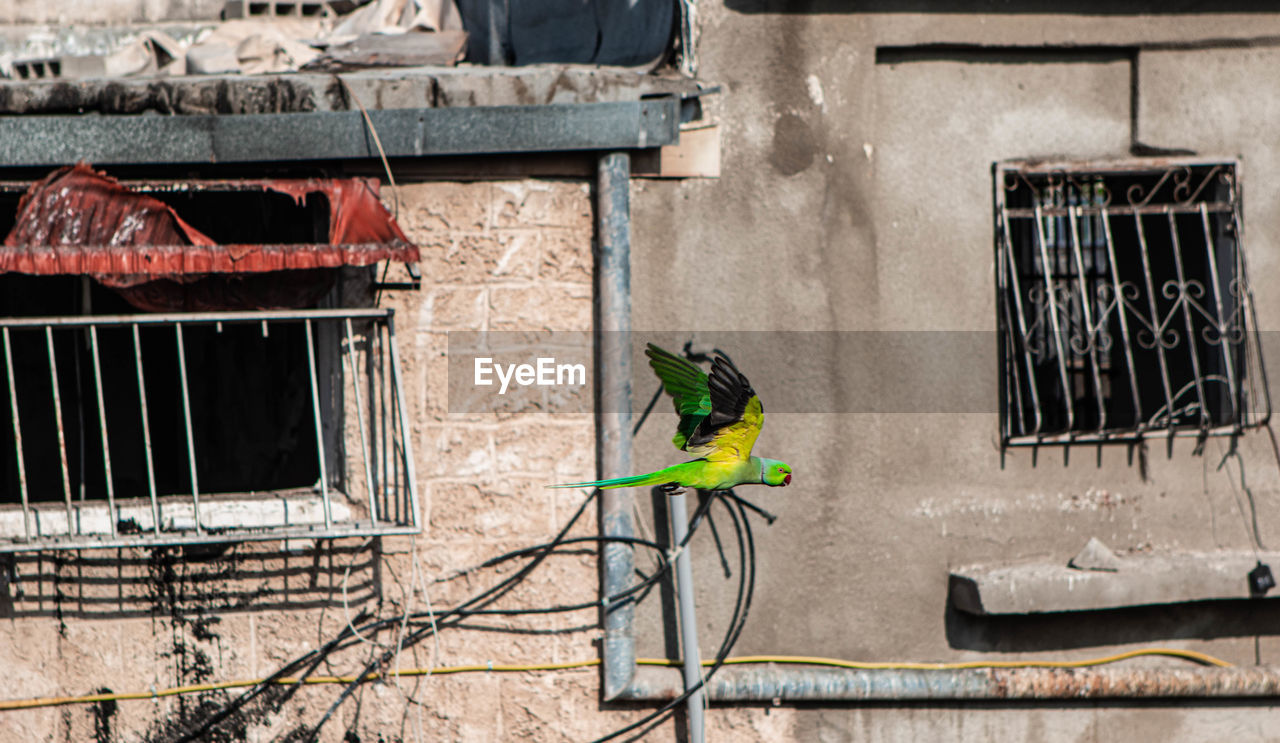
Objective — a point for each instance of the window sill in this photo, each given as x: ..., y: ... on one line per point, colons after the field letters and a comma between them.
x: 1168, y: 578
x: 292, y: 514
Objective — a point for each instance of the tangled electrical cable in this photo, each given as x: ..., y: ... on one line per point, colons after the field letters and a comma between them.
x: 428, y: 625
x: 482, y: 604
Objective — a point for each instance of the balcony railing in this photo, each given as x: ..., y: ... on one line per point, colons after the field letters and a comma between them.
x: 357, y: 415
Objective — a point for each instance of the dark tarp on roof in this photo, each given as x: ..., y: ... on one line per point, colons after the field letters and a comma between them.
x: 625, y: 33
x: 80, y: 221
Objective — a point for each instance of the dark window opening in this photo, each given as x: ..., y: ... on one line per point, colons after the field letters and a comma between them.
x: 251, y: 216
x: 229, y: 215
x: 1123, y: 303
x: 251, y: 412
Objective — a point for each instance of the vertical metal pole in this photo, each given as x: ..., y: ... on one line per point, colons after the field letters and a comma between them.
x: 691, y: 663
x: 381, y: 452
x: 17, y: 436
x: 406, y: 447
x: 186, y: 418
x: 613, y: 418
x: 364, y: 439
x: 146, y: 431
x: 62, y: 439
x: 102, y: 425
x: 315, y: 409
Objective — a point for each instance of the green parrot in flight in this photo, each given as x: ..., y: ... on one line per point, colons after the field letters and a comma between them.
x: 720, y: 418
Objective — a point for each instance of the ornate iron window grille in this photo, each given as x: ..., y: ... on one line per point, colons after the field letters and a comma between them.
x: 1124, y: 309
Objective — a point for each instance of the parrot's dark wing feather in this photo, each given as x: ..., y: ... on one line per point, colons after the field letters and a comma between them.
x: 720, y: 415
x: 729, y: 391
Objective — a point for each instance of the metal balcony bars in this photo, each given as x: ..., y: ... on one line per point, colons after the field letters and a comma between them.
x: 385, y: 453
x: 1123, y: 303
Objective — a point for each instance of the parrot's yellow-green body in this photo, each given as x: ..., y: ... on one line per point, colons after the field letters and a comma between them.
x: 720, y: 419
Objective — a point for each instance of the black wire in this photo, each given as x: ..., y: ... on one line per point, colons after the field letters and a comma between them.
x: 348, y: 633
x: 715, y: 534
x: 648, y: 409
x: 488, y: 597
x: 480, y: 604
x: 746, y: 587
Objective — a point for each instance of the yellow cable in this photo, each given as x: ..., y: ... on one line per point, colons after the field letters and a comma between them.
x: 1190, y: 655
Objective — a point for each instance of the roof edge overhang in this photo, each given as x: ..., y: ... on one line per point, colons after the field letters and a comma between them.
x: 114, y: 139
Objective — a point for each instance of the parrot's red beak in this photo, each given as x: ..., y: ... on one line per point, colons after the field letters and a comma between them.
x: 786, y: 480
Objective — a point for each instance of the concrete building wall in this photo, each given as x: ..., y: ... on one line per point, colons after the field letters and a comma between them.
x: 857, y: 196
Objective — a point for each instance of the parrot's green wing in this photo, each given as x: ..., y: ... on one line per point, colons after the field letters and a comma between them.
x: 720, y: 415
x: 687, y: 385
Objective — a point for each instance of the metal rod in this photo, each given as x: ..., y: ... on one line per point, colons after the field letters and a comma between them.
x: 1121, y: 307
x: 1032, y: 382
x: 1184, y: 299
x: 769, y: 683
x: 1123, y: 435
x: 382, y: 421
x: 17, y: 435
x: 315, y: 409
x: 146, y: 431
x: 186, y: 419
x: 1211, y: 253
x: 1010, y: 384
x: 230, y: 536
x: 102, y: 425
x: 371, y: 368
x: 1090, y: 330
x: 1092, y: 210
x: 613, y: 417
x: 1157, y: 328
x: 691, y: 665
x: 1050, y: 290
x: 364, y: 438
x: 406, y: 447
x: 190, y: 318
x: 62, y: 439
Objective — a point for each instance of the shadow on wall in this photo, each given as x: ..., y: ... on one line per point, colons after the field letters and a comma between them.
x: 1091, y: 7
x: 188, y: 581
x: 1028, y: 633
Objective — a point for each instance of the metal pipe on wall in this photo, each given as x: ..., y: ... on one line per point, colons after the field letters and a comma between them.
x: 773, y: 683
x: 613, y: 417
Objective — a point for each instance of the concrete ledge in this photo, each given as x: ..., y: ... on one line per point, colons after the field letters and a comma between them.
x: 48, y: 520
x: 1033, y: 588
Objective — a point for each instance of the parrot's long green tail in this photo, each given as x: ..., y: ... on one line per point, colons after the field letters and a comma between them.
x: 634, y: 481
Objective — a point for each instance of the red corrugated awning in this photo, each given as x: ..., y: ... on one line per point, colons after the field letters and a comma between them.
x: 80, y: 221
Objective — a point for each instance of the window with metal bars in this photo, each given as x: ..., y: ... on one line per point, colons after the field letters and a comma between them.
x: 1123, y: 304
x: 127, y: 419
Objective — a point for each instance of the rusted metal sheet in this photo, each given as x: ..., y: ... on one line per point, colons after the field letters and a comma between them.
x: 81, y: 221
x: 128, y: 265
